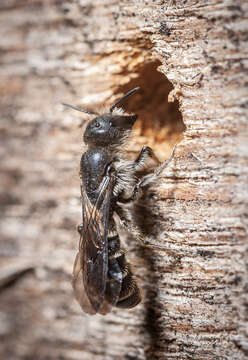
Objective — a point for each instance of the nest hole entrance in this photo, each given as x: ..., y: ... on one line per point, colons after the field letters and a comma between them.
x: 160, y: 123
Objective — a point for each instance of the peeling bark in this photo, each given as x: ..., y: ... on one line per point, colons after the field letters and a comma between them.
x: 194, y: 272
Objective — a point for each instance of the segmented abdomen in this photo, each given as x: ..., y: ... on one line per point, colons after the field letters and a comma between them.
x: 129, y: 293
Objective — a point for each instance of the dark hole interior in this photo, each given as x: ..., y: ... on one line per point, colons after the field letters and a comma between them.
x: 160, y: 123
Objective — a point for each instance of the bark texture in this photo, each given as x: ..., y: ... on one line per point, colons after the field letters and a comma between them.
x: 194, y: 273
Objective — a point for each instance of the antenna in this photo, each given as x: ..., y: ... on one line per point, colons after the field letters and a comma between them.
x: 131, y: 92
x: 81, y: 110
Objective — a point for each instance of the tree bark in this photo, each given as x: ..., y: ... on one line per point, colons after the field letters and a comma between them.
x: 193, y: 274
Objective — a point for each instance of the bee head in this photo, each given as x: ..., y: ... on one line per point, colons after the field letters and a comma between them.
x: 108, y: 129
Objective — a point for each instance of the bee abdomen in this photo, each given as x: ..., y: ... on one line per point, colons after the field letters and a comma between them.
x: 113, y: 244
x: 130, y: 294
x: 118, y: 268
x: 130, y: 302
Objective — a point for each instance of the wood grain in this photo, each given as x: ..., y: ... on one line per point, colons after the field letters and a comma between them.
x: 194, y: 271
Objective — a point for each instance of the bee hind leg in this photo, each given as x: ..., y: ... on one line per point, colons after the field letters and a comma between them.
x: 127, y: 223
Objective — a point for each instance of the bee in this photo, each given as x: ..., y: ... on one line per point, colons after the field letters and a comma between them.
x: 102, y: 277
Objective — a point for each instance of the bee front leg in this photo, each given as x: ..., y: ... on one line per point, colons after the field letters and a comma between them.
x: 145, y: 153
x: 138, y: 164
x: 147, y: 179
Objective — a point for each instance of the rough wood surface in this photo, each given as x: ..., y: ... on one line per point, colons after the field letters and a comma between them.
x: 194, y: 274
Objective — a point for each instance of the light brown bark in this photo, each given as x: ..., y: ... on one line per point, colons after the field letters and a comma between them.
x: 194, y: 273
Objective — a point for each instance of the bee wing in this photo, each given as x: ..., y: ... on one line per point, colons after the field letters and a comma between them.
x: 91, y: 263
x: 78, y: 286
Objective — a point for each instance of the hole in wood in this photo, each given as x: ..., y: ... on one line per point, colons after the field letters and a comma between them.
x: 160, y: 123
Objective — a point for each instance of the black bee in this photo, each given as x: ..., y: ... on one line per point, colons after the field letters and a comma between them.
x: 102, y: 277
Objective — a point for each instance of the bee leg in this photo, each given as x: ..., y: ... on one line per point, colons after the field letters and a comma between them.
x: 145, y: 153
x: 129, y: 226
x: 147, y: 179
x: 164, y: 164
x: 80, y: 229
